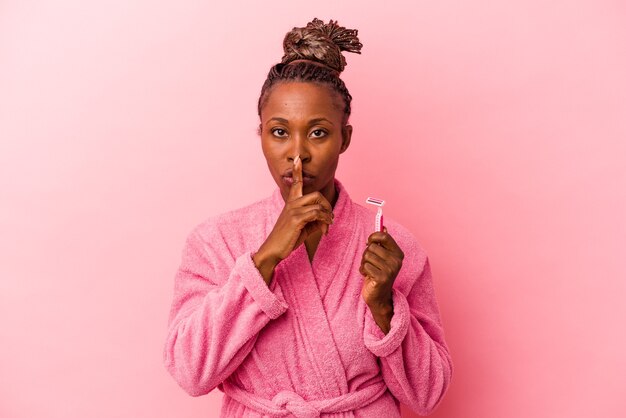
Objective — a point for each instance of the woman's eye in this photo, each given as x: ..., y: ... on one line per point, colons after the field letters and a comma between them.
x: 281, y: 133
x: 318, y: 133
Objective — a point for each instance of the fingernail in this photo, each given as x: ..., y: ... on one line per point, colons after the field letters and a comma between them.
x: 295, y: 160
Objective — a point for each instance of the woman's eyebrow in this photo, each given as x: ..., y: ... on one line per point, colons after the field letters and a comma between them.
x: 281, y: 120
x: 311, y: 122
x: 317, y: 120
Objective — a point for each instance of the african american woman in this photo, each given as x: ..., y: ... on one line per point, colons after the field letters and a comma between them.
x: 291, y: 305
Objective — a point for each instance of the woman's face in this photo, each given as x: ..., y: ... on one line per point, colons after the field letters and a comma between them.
x: 306, y: 119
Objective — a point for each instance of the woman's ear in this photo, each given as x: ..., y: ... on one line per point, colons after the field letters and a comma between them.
x: 346, y: 135
x: 258, y: 130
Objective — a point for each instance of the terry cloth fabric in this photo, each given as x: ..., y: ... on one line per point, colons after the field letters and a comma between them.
x: 307, y: 344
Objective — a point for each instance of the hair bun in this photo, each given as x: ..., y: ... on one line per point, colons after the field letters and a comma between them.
x: 321, y: 42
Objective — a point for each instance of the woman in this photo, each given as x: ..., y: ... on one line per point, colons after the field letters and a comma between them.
x: 281, y: 304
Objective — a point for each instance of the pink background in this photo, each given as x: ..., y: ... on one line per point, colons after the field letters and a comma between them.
x: 495, y: 130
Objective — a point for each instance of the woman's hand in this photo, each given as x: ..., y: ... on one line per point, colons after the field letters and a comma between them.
x: 301, y: 216
x: 380, y: 264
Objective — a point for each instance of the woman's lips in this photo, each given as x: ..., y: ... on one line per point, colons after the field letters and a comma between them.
x: 288, y: 180
x: 289, y: 172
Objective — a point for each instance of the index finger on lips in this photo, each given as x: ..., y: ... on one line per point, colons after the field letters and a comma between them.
x: 296, y: 187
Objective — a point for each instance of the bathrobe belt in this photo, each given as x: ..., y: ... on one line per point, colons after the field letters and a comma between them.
x: 287, y: 402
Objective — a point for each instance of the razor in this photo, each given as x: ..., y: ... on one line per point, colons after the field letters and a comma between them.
x: 379, y: 215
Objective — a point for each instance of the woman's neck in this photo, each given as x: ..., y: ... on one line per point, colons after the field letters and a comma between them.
x: 331, y: 193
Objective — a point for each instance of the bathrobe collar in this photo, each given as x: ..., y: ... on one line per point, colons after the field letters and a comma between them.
x: 303, y: 279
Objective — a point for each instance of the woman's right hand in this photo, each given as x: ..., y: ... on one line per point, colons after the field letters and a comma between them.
x: 301, y: 217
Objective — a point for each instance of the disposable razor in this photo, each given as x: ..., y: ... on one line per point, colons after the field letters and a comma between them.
x: 379, y: 215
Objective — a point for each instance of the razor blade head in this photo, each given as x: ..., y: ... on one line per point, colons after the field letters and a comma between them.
x: 375, y: 202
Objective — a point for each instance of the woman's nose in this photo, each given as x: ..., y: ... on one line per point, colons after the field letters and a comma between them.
x: 299, y: 147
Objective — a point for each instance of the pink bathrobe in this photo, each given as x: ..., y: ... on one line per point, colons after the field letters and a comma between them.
x: 307, y: 345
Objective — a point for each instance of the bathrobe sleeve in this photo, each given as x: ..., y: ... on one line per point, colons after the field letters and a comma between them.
x: 217, y: 311
x: 415, y: 361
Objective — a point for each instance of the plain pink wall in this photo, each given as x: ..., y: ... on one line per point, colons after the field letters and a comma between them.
x: 495, y: 130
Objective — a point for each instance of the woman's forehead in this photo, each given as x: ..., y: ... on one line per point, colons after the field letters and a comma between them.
x: 301, y: 100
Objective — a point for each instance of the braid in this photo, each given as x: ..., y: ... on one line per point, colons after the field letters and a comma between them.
x: 313, y: 54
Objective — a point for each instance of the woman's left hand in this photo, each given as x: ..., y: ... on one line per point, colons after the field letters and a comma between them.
x: 380, y: 264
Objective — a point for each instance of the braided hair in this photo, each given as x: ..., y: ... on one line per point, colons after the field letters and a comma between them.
x: 313, y: 54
